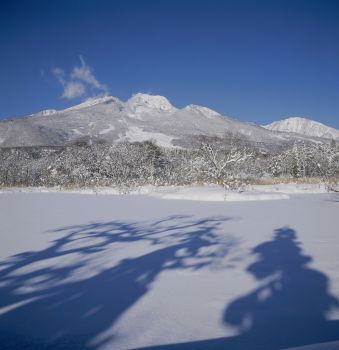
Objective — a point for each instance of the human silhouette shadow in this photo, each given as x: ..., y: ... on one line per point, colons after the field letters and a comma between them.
x: 287, y: 310
x: 290, y: 308
x: 44, y: 308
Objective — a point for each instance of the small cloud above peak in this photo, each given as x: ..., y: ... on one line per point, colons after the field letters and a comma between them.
x: 84, y: 74
x: 59, y: 75
x: 79, y: 82
x: 73, y: 89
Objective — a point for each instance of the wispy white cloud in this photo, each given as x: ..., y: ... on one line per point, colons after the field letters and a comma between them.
x: 85, y: 74
x: 73, y: 89
x: 60, y: 75
x: 80, y: 82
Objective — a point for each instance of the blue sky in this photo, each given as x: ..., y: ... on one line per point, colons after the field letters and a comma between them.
x: 254, y: 60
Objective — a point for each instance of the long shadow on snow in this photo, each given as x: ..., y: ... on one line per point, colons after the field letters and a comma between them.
x: 43, y: 307
x: 287, y: 310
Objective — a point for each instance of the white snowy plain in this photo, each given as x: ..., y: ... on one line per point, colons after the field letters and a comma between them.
x: 84, y: 271
x: 212, y: 193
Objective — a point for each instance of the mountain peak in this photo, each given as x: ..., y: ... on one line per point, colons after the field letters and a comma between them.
x: 304, y: 126
x: 142, y: 101
x: 92, y: 101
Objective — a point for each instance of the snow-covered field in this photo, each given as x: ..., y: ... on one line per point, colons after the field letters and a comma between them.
x: 84, y: 271
x: 211, y: 193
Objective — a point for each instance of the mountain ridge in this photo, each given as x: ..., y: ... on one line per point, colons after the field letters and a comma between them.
x: 304, y: 126
x: 140, y: 118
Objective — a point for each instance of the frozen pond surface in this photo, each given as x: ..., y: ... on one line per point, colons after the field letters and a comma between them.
x: 81, y: 271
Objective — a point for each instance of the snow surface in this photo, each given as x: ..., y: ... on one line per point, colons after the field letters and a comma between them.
x: 209, y: 193
x: 136, y: 134
x: 92, y: 101
x: 207, y: 112
x: 84, y: 271
x: 76, y: 131
x: 107, y: 130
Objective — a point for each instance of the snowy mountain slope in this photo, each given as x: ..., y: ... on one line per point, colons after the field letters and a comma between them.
x: 19, y: 132
x: 305, y: 127
x: 142, y: 117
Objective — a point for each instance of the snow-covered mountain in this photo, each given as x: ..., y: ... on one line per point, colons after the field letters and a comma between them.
x: 305, y: 127
x: 140, y: 118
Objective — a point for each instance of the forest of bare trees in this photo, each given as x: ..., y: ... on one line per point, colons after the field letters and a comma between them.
x: 127, y: 165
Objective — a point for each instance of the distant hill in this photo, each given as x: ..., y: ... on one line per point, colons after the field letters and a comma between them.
x: 304, y: 126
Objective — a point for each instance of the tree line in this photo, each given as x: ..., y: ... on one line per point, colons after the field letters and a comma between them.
x: 127, y: 165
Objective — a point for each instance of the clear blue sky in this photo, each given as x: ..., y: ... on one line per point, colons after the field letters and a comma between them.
x: 253, y: 60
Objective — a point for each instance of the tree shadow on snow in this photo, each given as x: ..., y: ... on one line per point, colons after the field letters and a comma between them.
x: 42, y: 305
x: 287, y: 310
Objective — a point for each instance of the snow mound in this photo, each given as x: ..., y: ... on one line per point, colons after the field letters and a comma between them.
x: 212, y: 194
x: 291, y: 188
